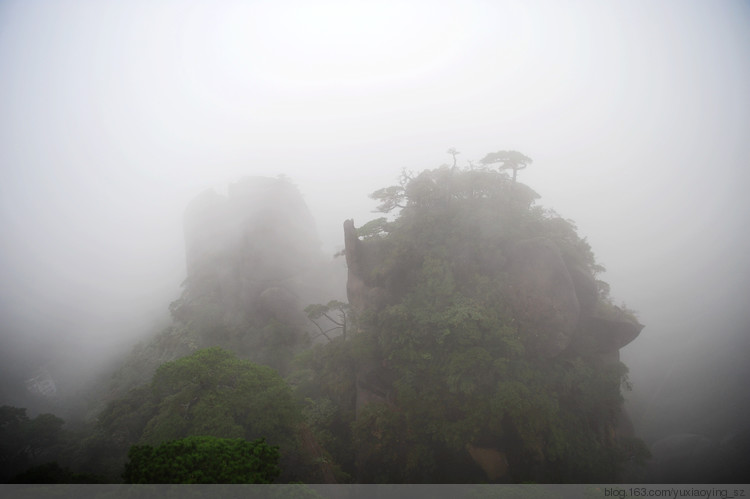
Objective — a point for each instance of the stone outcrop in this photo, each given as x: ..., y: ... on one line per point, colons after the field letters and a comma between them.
x: 356, y: 289
x: 610, y: 334
x: 557, y: 300
x: 361, y: 290
x: 253, y: 264
x: 553, y: 298
x: 250, y: 249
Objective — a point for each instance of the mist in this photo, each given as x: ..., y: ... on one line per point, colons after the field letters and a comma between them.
x: 115, y: 116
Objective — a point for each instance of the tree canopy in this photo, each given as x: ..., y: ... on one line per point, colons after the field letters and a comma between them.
x: 507, y: 160
x: 209, y: 393
x: 203, y: 459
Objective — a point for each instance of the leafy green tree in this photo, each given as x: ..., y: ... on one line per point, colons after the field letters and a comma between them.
x: 212, y: 392
x: 394, y: 196
x: 208, y: 393
x: 329, y: 318
x: 325, y: 386
x: 390, y: 198
x: 203, y: 459
x: 373, y: 228
x: 507, y: 160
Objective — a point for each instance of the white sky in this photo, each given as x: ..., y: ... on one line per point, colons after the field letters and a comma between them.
x: 113, y: 115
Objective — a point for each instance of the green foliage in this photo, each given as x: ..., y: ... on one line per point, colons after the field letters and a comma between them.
x: 203, y: 459
x: 446, y: 340
x: 324, y: 385
x: 386, y: 449
x: 389, y: 197
x: 329, y: 319
x: 24, y: 441
x: 212, y: 392
x: 128, y: 415
x: 373, y: 228
x: 208, y: 393
x: 267, y: 330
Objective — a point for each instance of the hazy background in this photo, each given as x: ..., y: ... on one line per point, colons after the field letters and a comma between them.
x: 113, y: 115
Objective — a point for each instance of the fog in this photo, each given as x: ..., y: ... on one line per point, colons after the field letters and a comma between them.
x: 115, y: 115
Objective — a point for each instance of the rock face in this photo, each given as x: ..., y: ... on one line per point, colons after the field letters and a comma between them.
x: 361, y: 290
x: 356, y: 289
x: 557, y: 300
x: 544, y: 297
x: 260, y: 236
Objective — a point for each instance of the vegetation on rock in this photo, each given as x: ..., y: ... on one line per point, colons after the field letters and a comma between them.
x: 471, y: 309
